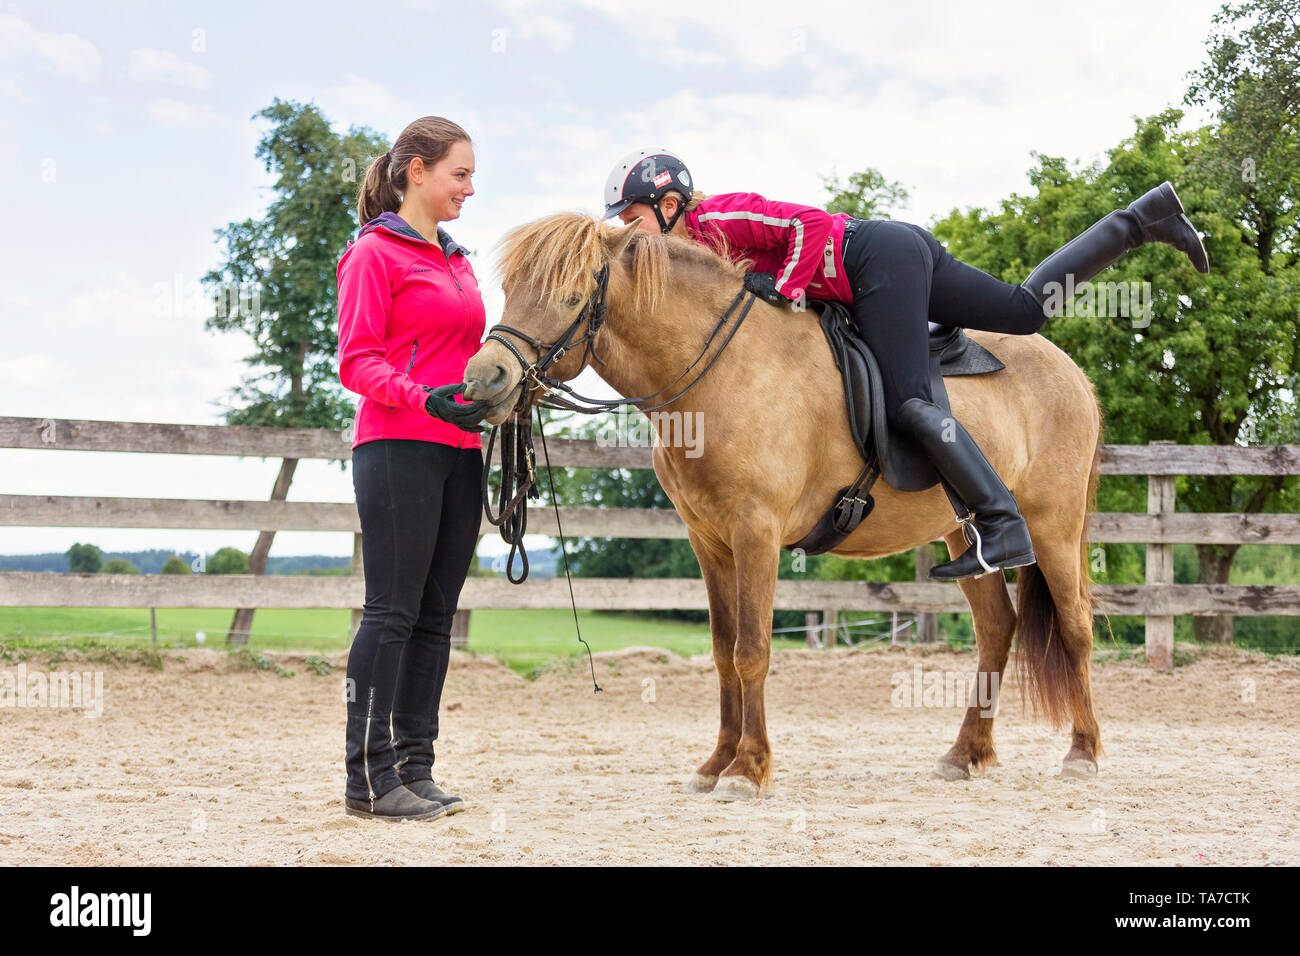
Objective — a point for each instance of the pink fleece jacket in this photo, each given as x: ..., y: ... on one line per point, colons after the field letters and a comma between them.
x: 410, y: 314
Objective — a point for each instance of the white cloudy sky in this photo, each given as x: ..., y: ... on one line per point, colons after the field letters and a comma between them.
x: 126, y: 138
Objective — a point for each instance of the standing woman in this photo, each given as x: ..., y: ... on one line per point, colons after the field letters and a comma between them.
x: 898, y: 277
x: 410, y: 317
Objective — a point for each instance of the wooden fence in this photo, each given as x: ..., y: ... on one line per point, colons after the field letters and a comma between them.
x: 1159, y: 600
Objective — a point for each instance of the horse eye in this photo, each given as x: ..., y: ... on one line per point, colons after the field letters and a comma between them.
x: 573, y: 301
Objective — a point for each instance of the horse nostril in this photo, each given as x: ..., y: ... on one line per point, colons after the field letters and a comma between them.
x: 479, y: 388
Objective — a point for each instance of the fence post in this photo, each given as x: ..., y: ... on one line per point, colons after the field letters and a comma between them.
x: 242, y: 624
x: 1160, y: 570
x: 810, y: 621
x: 357, y: 571
x: 831, y: 621
x: 927, y: 624
x: 460, y: 629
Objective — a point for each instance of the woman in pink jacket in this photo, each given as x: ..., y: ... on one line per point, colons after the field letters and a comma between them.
x: 897, y: 277
x: 410, y: 317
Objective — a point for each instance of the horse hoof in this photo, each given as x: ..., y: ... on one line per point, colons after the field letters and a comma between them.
x: 700, y: 783
x: 950, y: 771
x: 735, y: 788
x: 1079, y: 769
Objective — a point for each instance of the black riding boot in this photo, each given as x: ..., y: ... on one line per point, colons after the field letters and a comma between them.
x: 1157, y: 216
x: 992, y: 524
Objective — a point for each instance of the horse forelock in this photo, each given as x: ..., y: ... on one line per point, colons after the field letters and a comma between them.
x: 558, y: 256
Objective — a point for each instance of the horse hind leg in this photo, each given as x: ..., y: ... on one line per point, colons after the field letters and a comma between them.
x: 995, y: 624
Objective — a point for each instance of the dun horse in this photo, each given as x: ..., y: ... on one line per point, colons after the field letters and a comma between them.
x: 777, y: 447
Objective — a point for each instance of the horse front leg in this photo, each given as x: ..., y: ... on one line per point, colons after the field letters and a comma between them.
x: 718, y: 566
x: 756, y: 544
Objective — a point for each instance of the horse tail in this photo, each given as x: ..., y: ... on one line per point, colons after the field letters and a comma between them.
x: 1045, y: 667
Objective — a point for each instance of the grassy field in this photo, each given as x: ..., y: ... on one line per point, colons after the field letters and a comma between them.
x: 524, y: 640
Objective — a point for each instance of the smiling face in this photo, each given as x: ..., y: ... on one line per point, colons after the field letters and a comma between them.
x: 442, y: 190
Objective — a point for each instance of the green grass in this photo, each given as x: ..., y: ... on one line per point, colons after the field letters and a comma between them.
x: 527, y: 641
x: 311, y: 629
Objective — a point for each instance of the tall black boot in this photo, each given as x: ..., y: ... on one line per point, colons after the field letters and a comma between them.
x: 1156, y: 216
x: 991, y: 521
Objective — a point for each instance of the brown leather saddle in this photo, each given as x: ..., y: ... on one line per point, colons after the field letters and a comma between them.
x: 887, y: 452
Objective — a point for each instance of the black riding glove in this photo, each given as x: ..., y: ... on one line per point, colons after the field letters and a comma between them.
x: 763, y: 285
x: 441, y: 404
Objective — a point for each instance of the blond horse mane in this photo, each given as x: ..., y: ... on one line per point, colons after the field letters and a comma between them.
x: 560, y: 254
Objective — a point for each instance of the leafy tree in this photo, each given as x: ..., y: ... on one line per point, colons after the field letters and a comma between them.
x: 176, y: 565
x: 1215, y: 360
x: 227, y: 561
x: 84, y: 559
x: 866, y: 195
x: 288, y: 258
x: 120, y: 566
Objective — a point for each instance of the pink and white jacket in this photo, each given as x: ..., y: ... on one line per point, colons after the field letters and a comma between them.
x: 801, y: 245
x: 410, y: 314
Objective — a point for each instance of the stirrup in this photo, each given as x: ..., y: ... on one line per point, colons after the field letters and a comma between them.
x: 968, y: 529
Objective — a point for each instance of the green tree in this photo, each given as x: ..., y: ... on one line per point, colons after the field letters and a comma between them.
x: 84, y: 559
x: 865, y: 195
x: 176, y: 565
x: 285, y: 262
x: 1213, y: 363
x: 120, y: 566
x: 227, y: 561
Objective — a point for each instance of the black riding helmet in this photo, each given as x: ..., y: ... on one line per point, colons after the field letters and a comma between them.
x: 644, y: 176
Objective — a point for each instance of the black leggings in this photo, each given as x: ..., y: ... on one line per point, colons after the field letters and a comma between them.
x: 902, y: 277
x: 420, y: 506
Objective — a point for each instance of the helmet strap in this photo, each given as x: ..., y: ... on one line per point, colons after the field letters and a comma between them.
x: 665, y: 226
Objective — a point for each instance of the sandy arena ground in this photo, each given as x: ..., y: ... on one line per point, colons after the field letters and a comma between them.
x: 198, y: 764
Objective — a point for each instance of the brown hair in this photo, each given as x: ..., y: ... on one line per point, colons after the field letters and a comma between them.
x: 430, y: 138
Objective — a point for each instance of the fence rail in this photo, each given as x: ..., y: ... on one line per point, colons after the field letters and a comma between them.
x: 66, y: 511
x: 53, y: 589
x: 1159, y: 600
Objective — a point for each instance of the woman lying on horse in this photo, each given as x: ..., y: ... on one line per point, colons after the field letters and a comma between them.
x: 897, y: 277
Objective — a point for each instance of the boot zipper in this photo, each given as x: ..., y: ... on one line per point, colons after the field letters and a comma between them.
x: 370, y: 711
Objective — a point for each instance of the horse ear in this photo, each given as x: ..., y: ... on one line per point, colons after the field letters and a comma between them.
x: 616, y: 240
